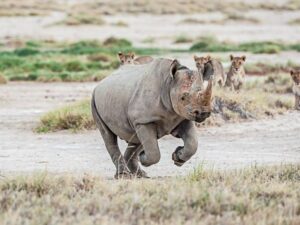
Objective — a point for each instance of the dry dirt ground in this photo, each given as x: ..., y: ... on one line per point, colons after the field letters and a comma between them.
x: 230, y: 146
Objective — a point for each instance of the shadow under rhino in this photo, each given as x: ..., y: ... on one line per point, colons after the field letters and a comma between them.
x: 142, y: 103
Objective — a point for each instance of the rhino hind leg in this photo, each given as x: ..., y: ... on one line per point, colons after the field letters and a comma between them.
x: 111, y: 143
x: 131, y: 158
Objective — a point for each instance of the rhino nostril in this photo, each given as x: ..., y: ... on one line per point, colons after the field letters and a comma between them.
x: 205, y: 114
x: 196, y: 112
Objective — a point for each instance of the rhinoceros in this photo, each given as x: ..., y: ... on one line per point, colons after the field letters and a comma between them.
x: 142, y: 103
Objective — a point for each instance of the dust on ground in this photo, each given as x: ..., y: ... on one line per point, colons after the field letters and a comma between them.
x: 269, y: 141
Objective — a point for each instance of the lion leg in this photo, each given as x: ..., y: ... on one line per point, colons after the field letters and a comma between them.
x: 297, y: 102
x: 131, y: 158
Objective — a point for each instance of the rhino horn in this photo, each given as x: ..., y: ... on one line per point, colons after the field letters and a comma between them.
x: 208, y: 92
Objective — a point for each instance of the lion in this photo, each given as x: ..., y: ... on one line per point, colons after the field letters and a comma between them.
x: 129, y: 58
x: 219, y: 76
x: 296, y: 87
x: 236, y: 74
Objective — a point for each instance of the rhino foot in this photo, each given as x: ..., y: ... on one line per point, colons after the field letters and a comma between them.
x: 124, y: 175
x: 141, y: 174
x: 175, y: 156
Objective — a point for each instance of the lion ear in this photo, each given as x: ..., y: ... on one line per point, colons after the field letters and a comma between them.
x: 292, y: 72
x: 195, y: 57
x: 132, y: 55
x: 121, y: 55
x: 231, y: 57
x: 208, y: 57
x: 243, y: 58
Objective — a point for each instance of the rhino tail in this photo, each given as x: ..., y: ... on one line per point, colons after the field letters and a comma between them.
x: 95, y: 112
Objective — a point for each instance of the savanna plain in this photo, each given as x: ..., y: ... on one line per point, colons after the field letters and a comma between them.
x: 54, y: 168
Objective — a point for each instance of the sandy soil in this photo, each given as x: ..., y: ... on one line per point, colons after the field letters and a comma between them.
x: 230, y: 146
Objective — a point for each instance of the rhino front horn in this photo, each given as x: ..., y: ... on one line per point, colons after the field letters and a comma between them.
x: 208, y: 90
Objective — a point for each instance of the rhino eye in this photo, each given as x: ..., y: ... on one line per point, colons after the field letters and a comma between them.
x: 184, y: 97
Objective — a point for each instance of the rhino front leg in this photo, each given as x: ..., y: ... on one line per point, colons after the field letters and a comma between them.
x: 147, y: 135
x: 187, y: 131
x: 131, y: 158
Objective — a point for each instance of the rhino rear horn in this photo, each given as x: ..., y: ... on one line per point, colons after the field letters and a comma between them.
x: 208, y: 90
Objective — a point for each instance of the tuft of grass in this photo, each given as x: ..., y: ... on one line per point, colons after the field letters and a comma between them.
x: 117, y: 42
x: 81, y: 18
x: 74, y: 116
x: 183, y: 39
x: 240, y: 17
x: 120, y: 23
x: 294, y: 21
x: 254, y: 195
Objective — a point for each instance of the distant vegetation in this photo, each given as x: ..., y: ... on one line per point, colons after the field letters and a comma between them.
x: 210, y: 44
x: 58, y: 61
x: 254, y: 195
x: 92, y: 60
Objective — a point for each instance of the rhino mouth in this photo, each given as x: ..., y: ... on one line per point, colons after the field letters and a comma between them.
x: 202, y: 116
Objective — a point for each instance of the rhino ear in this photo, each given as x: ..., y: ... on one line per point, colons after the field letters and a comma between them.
x: 174, y: 68
x: 208, y: 71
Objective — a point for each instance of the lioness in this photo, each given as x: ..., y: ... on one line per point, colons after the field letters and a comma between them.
x: 296, y: 87
x: 219, y: 76
x: 130, y: 58
x: 236, y: 74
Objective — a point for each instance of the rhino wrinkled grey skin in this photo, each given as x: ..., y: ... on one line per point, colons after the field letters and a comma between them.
x: 142, y: 103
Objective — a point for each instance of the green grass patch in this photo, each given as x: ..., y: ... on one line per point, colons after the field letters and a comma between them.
x: 75, y: 116
x: 250, y: 196
x: 211, y: 44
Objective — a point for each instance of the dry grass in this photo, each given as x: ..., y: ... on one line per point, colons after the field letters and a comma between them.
x: 79, y: 18
x: 254, y: 101
x: 257, y: 195
x: 241, y: 18
x: 177, y: 7
x: 183, y: 39
x: 295, y: 22
x: 28, y: 7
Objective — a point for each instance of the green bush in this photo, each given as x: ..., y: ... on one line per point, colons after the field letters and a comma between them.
x: 26, y: 51
x: 116, y: 42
